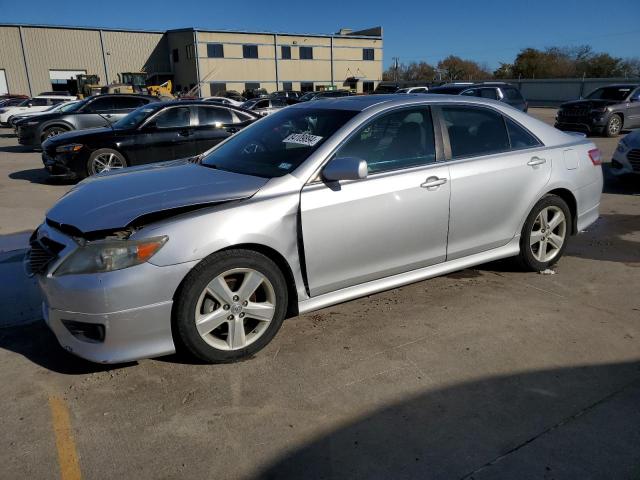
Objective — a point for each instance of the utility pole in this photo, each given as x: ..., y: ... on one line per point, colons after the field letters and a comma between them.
x: 396, y: 65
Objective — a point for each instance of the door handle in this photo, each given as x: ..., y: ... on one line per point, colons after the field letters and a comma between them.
x: 433, y: 182
x: 232, y: 130
x: 536, y: 161
x: 185, y: 133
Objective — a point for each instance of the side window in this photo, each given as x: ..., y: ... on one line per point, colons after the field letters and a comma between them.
x: 128, y: 103
x: 242, y: 117
x: 173, y: 118
x: 104, y: 104
x: 472, y: 92
x: 396, y: 140
x: 512, y: 94
x: 489, y: 93
x: 262, y: 104
x: 212, y: 115
x: 474, y: 131
x: 39, y: 102
x: 636, y: 96
x: 519, y: 137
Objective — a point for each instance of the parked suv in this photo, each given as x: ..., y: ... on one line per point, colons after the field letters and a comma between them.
x: 501, y: 91
x: 607, y: 110
x: 96, y: 111
x: 286, y: 94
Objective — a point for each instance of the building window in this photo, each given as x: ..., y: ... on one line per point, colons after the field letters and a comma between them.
x: 216, y: 88
x: 306, y: 53
x: 175, y: 55
x: 367, y: 87
x: 285, y: 51
x: 287, y: 86
x: 306, y: 86
x: 191, y: 51
x: 367, y: 54
x: 215, y: 50
x: 248, y: 86
x: 250, y: 51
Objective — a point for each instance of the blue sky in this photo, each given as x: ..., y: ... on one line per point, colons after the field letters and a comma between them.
x: 485, y: 31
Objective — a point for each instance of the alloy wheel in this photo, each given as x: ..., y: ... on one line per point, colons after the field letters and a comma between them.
x: 106, y: 162
x: 548, y: 234
x: 235, y: 309
x: 614, y: 125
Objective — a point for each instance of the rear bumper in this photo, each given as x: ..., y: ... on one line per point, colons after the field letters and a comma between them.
x: 28, y: 137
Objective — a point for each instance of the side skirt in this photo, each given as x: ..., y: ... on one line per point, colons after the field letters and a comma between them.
x: 321, y: 301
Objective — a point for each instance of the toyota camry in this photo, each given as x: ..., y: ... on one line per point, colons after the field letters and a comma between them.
x: 317, y: 204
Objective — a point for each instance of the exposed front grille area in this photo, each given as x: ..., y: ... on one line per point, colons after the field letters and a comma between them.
x: 41, y: 253
x: 634, y: 159
x: 574, y: 112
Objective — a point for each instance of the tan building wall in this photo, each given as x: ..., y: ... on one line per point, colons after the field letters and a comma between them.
x: 185, y: 71
x: 11, y: 60
x: 135, y: 52
x: 234, y: 71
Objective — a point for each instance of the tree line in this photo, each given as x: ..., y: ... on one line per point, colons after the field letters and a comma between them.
x: 552, y: 62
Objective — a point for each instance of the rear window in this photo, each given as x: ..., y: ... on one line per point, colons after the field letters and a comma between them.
x: 512, y: 94
x: 475, y: 131
x: 519, y: 137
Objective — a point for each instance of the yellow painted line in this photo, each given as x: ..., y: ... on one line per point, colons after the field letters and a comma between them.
x: 66, y: 446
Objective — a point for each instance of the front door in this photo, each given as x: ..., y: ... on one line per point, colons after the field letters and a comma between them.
x: 633, y: 110
x: 166, y: 136
x: 497, y: 167
x: 215, y: 123
x: 393, y: 221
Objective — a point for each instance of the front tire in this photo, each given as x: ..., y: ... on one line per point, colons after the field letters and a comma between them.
x: 230, y: 306
x: 105, y: 160
x: 545, y: 234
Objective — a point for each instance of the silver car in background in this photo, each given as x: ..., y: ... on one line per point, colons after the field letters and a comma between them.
x: 314, y: 205
x: 626, y: 158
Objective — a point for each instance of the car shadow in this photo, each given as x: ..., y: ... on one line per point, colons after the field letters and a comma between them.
x: 569, y: 423
x: 8, y: 135
x: 15, y: 149
x: 39, y: 176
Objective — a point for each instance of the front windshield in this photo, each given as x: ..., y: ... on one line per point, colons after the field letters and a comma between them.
x: 610, y: 93
x: 134, y: 118
x: 25, y: 103
x: 279, y: 143
x: 250, y: 103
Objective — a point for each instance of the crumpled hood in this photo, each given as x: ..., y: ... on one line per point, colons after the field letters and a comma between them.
x: 116, y: 199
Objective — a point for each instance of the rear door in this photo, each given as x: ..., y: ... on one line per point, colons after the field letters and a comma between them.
x: 497, y: 169
x: 214, y: 124
x: 168, y: 135
x: 633, y: 110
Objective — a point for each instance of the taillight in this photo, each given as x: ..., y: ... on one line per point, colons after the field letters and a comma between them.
x: 595, y: 156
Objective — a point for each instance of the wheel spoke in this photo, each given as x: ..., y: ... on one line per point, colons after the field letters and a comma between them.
x: 556, y: 241
x: 208, y: 322
x: 236, y: 338
x: 535, y: 237
x: 556, y: 220
x: 220, y: 290
x: 252, y: 280
x: 542, y: 251
x: 263, y: 311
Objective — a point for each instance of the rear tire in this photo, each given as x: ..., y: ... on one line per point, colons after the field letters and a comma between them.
x: 545, y: 234
x: 230, y: 306
x: 614, y: 126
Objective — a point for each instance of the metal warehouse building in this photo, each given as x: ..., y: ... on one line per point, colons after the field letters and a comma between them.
x: 37, y: 58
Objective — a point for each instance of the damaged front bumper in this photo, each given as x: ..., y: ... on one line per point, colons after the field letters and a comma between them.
x: 110, y: 317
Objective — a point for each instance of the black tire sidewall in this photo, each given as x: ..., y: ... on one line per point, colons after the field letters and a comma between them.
x: 95, y: 153
x: 526, y: 257
x: 187, y: 336
x: 45, y: 133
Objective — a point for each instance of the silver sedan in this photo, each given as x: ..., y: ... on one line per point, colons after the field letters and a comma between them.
x: 317, y: 204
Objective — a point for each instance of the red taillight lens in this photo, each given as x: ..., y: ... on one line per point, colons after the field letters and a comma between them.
x: 595, y: 156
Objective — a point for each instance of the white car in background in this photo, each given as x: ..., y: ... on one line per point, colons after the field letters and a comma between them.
x: 35, y: 104
x: 626, y: 158
x: 223, y: 101
x: 59, y: 107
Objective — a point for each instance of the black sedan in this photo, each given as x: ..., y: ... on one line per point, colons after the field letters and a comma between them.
x: 152, y: 133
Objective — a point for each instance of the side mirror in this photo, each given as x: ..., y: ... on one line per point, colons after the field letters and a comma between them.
x: 345, y: 168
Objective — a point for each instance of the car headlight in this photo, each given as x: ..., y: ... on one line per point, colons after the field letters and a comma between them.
x: 109, y: 255
x: 73, y: 147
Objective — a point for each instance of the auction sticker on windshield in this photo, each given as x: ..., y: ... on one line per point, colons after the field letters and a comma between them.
x: 302, y: 139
